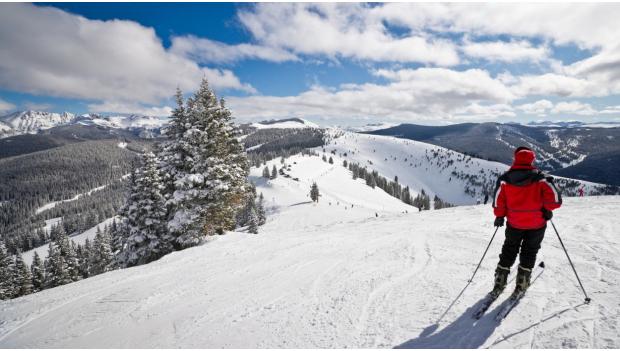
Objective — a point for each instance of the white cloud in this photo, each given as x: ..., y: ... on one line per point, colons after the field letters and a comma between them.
x: 6, y: 106
x: 610, y: 110
x: 540, y: 107
x: 47, y: 51
x: 589, y: 25
x: 341, y: 30
x: 556, y: 84
x: 37, y: 106
x: 513, y: 51
x: 136, y: 109
x: 424, y: 94
x: 209, y: 51
x: 574, y: 108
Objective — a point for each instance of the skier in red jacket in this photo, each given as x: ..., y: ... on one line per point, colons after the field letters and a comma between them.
x: 526, y: 197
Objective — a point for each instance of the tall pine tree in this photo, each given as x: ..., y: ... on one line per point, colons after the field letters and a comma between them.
x: 22, y: 277
x: 206, y: 168
x: 7, y: 287
x: 38, y: 273
x: 147, y: 235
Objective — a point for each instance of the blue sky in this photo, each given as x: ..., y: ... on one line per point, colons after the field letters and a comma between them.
x: 330, y: 63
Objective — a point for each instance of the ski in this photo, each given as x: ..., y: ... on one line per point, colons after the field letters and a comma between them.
x: 488, y: 301
x: 513, y: 301
x: 516, y: 297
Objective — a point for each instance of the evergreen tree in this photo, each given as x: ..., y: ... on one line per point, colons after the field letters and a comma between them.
x: 56, y: 270
x: 22, y: 277
x: 266, y: 174
x: 345, y: 164
x: 253, y: 221
x: 274, y: 172
x: 206, y: 168
x: 7, y: 287
x: 147, y: 236
x: 38, y: 273
x: 127, y: 220
x: 260, y: 210
x: 101, y: 254
x: 314, y: 192
x: 331, y: 160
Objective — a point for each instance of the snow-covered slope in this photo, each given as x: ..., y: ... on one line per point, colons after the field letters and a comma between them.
x: 452, y: 176
x: 335, y: 275
x: 31, y: 122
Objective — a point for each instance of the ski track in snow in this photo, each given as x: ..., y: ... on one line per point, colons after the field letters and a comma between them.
x: 336, y: 276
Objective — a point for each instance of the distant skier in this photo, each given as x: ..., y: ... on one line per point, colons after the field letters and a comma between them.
x: 527, y: 197
x: 581, y: 192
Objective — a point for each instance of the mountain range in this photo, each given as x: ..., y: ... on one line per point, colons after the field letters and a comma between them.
x: 33, y: 122
x: 588, y: 153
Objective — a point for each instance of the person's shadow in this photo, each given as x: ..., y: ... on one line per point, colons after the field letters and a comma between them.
x: 463, y: 333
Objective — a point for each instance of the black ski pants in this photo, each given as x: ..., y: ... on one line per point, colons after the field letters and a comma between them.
x: 527, y: 241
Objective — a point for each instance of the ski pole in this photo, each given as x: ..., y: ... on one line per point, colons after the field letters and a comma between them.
x: 470, y: 280
x: 483, y: 255
x: 587, y: 299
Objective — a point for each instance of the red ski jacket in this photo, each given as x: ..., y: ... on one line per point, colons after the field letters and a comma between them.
x: 522, y: 193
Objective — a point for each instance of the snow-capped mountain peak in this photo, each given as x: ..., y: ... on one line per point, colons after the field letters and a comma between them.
x: 31, y: 122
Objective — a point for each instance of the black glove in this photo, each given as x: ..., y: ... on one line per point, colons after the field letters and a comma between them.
x: 547, y: 215
x: 499, y: 222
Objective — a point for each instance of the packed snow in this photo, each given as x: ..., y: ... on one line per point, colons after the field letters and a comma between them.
x: 357, y: 269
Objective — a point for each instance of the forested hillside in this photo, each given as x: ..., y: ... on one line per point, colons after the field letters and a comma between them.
x: 29, y: 182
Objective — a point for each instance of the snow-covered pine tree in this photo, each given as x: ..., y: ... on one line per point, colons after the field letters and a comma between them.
x: 101, y: 258
x: 38, y: 273
x: 147, y: 236
x: 331, y: 160
x: 314, y: 192
x: 274, y: 172
x: 260, y: 210
x: 55, y: 267
x: 253, y: 221
x: 87, y: 253
x: 266, y: 174
x: 7, y: 287
x: 22, y: 277
x: 127, y: 220
x: 207, y: 168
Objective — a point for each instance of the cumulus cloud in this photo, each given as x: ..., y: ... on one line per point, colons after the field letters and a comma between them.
x: 574, y: 108
x: 47, y: 51
x: 513, y: 51
x: 423, y: 94
x: 205, y: 50
x: 540, y: 107
x: 6, y: 106
x: 589, y: 25
x: 341, y: 30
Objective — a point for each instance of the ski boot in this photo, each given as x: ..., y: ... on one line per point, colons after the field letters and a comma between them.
x: 501, y: 279
x: 523, y: 281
